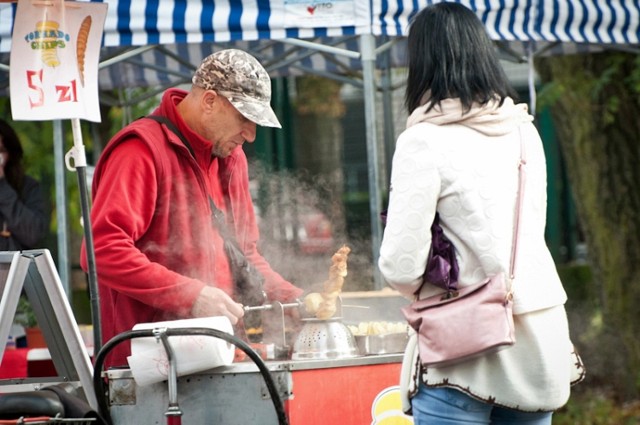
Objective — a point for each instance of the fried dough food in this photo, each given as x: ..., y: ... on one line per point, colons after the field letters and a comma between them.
x: 81, y: 45
x: 323, y: 304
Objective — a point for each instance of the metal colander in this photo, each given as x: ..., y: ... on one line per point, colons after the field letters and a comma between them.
x: 324, y: 339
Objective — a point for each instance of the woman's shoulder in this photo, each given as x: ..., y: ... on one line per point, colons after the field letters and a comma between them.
x: 421, y: 133
x: 429, y: 131
x: 434, y: 138
x: 421, y: 128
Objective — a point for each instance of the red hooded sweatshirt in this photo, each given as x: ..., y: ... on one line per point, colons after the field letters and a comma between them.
x: 155, y: 246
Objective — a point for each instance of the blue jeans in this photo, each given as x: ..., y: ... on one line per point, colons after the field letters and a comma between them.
x: 447, y: 406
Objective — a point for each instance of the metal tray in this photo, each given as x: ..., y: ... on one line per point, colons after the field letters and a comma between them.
x: 381, y: 344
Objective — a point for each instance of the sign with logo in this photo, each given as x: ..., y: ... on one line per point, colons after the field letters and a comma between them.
x: 386, y: 409
x: 55, y: 50
x: 312, y: 14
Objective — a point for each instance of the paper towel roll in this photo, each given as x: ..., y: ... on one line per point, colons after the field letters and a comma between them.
x: 193, y: 353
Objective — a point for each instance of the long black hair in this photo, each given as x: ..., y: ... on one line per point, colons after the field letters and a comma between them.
x: 14, y: 169
x: 451, y: 56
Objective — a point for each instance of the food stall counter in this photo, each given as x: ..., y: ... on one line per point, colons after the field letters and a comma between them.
x: 357, y: 390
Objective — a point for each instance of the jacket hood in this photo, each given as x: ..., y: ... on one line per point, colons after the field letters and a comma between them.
x: 491, y: 119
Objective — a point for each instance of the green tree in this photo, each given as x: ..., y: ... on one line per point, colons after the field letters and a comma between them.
x: 595, y: 103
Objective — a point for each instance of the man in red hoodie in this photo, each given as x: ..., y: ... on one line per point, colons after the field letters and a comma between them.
x: 158, y: 254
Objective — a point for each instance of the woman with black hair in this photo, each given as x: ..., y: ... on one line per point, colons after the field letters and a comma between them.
x: 23, y: 217
x: 459, y: 158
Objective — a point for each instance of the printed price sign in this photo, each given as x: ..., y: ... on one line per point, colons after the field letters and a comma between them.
x: 55, y: 50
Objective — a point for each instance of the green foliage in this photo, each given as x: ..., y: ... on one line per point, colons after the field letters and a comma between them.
x: 319, y: 96
x: 633, y: 80
x: 607, y: 78
x: 595, y: 105
x: 608, y: 81
x: 578, y: 281
x: 549, y: 94
x: 596, y: 408
x: 25, y: 315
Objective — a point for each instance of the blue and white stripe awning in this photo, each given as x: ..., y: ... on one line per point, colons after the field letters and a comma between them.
x: 151, y: 22
x: 155, y: 22
x: 185, y: 31
x: 137, y: 22
x: 173, y: 64
x: 564, y: 21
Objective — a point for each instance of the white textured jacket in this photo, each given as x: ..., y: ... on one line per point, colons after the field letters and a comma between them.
x: 467, y: 171
x: 465, y: 167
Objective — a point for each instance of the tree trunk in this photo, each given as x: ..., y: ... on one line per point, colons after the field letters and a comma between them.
x: 595, y: 105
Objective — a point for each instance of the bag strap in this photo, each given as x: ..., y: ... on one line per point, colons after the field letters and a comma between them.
x: 221, y: 224
x: 518, y: 210
x: 517, y: 215
x: 174, y: 129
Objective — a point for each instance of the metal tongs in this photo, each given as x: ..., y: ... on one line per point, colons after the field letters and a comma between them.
x: 274, y: 306
x: 274, y: 312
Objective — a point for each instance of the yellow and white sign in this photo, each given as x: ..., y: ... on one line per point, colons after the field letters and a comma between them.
x: 55, y: 50
x: 387, y: 408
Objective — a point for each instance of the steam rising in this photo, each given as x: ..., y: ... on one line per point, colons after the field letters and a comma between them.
x: 288, y: 205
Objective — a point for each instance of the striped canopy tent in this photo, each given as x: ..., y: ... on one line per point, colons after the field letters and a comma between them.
x: 158, y: 44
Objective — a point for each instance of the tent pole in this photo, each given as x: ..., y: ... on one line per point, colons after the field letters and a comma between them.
x: 367, y: 48
x: 531, y: 80
x: 388, y: 123
x: 61, y: 208
x: 80, y: 166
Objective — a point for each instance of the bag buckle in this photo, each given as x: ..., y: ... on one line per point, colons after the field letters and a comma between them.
x: 449, y: 294
x: 508, y: 297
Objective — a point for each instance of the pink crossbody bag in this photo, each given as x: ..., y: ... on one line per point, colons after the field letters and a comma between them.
x: 473, y: 320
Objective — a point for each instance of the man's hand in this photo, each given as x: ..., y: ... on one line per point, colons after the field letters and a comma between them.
x: 215, y: 302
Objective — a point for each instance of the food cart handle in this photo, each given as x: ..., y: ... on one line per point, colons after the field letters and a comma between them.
x: 173, y: 413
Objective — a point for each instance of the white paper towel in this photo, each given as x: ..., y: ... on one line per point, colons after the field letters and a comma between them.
x: 193, y: 353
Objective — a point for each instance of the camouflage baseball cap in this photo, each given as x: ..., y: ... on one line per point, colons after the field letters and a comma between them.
x: 239, y: 77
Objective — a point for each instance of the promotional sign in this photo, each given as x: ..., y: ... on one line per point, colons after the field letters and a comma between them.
x: 387, y: 408
x: 55, y: 49
x: 311, y: 14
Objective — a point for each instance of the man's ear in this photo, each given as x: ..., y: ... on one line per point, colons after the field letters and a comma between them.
x: 210, y: 99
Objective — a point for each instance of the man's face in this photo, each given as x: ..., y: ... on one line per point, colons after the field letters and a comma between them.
x: 229, y: 130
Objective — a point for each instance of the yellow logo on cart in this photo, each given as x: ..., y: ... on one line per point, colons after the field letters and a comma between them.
x: 387, y: 408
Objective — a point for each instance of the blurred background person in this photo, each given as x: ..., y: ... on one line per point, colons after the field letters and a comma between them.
x: 23, y: 215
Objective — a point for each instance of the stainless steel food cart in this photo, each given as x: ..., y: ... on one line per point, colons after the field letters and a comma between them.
x: 340, y: 391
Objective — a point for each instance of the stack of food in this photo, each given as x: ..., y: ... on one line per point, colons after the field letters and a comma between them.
x: 380, y: 337
x: 323, y: 305
x: 379, y: 328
